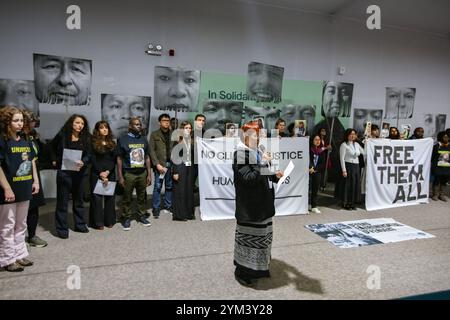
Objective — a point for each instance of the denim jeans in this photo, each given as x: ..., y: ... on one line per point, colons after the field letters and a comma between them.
x: 156, y: 200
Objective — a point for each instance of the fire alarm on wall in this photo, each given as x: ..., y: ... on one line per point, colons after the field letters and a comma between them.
x: 171, y: 52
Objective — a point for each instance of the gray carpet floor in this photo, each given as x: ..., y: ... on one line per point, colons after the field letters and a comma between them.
x: 194, y: 260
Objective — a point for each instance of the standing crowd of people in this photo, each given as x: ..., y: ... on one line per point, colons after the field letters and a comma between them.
x: 130, y: 162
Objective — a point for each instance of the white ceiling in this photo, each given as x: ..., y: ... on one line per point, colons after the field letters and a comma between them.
x: 431, y: 16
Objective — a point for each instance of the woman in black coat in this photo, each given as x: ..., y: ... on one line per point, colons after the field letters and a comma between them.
x: 102, y: 211
x: 183, y: 175
x: 317, y: 155
x: 74, y: 135
x: 255, y: 207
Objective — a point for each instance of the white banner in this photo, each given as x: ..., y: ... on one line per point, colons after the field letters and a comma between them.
x: 358, y: 233
x: 217, y: 193
x: 398, y: 172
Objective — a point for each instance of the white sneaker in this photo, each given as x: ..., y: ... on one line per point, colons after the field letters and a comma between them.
x: 315, y: 210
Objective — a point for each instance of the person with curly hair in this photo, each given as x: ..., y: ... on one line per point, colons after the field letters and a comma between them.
x: 18, y: 183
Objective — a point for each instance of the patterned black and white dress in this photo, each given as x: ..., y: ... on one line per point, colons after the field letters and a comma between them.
x: 255, y: 208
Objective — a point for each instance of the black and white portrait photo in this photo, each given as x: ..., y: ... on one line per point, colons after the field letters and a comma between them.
x: 232, y: 130
x: 342, y: 235
x: 62, y: 80
x: 336, y: 99
x: 289, y: 113
x: 440, y: 122
x: 218, y: 113
x: 268, y: 115
x: 432, y: 124
x: 308, y: 113
x: 118, y: 109
x: 18, y: 93
x: 399, y: 103
x: 429, y: 128
x: 176, y: 89
x: 292, y: 112
x: 264, y: 82
x: 362, y: 116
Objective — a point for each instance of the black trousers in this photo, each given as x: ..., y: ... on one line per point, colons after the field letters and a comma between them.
x: 69, y: 182
x: 33, y: 211
x: 350, y: 187
x: 32, y: 221
x: 102, y: 211
x: 440, y: 180
x: 314, y: 184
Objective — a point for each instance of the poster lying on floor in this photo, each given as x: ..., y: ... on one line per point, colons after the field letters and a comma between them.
x: 397, y: 172
x: 217, y: 193
x: 358, y: 233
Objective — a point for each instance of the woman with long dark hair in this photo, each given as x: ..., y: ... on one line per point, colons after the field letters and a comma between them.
x: 255, y: 197
x: 18, y: 181
x: 74, y: 135
x: 102, y: 211
x: 394, y: 134
x: 326, y: 147
x: 349, y: 187
x: 316, y: 169
x: 183, y: 175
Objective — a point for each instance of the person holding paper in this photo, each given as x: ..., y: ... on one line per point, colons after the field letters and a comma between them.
x: 102, y: 211
x: 348, y: 189
x: 160, y: 151
x: 183, y: 174
x: 134, y: 171
x: 17, y: 184
x: 73, y: 136
x: 316, y: 169
x: 255, y: 207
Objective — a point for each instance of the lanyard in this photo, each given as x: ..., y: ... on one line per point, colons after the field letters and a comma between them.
x: 316, y: 159
x: 188, y: 149
x: 258, y: 157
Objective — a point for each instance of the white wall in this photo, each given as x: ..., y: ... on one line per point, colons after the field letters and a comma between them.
x: 221, y: 36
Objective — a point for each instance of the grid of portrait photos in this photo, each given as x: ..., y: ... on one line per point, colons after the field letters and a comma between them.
x: 67, y: 81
